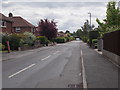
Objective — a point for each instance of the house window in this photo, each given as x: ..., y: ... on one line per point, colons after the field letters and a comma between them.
x: 3, y: 23
x: 17, y: 29
x: 32, y: 30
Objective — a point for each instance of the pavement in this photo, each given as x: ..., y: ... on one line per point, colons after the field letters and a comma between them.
x: 59, y: 66
x: 100, y: 72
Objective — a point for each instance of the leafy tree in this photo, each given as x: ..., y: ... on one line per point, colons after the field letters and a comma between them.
x: 48, y: 28
x: 112, y: 17
x: 112, y: 20
x: 86, y: 27
x: 67, y: 31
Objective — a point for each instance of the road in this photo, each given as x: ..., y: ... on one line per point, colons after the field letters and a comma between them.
x: 68, y: 65
x: 49, y: 67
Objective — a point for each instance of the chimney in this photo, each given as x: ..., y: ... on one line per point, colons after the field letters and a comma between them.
x: 10, y: 15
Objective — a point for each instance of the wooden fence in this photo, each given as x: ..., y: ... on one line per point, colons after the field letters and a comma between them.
x: 111, y: 42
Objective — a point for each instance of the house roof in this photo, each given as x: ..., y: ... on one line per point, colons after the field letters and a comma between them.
x: 20, y: 22
x: 3, y: 17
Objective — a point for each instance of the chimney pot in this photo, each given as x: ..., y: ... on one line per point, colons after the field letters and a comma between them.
x: 10, y: 15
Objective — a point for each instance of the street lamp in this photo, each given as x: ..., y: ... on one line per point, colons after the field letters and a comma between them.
x: 90, y: 20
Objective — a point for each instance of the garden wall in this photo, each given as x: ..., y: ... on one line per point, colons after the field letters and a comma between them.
x: 111, y: 46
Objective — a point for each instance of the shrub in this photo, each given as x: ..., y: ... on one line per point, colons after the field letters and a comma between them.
x: 93, y: 35
x: 60, y: 40
x: 43, y: 40
x: 94, y: 43
x: 29, y: 38
x: 71, y: 38
x: 67, y: 39
x: 94, y: 40
x: 85, y: 38
x: 2, y: 47
x: 4, y: 39
x: 15, y: 41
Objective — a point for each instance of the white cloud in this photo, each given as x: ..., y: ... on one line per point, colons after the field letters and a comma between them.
x: 70, y: 16
x: 57, y: 0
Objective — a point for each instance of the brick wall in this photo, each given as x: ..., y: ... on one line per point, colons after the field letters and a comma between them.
x: 8, y: 28
x: 23, y: 29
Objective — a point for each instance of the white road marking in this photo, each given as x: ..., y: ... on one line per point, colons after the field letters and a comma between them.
x: 21, y: 70
x: 46, y: 58
x: 56, y: 52
x: 83, y: 73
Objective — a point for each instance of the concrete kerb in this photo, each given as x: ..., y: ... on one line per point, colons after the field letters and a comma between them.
x: 18, y: 54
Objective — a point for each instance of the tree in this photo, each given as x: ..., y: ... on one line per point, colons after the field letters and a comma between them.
x: 48, y: 28
x: 67, y: 31
x: 112, y: 14
x: 112, y: 20
x: 86, y: 27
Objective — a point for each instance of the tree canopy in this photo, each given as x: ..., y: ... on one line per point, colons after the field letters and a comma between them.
x: 48, y: 28
x: 112, y: 20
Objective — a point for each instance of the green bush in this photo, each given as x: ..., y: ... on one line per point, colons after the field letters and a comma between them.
x: 43, y: 40
x: 4, y: 39
x: 94, y: 43
x: 71, y: 38
x: 29, y: 38
x: 93, y: 35
x: 15, y: 41
x: 67, y: 39
x: 94, y: 40
x: 60, y: 40
x: 85, y: 38
x: 2, y: 47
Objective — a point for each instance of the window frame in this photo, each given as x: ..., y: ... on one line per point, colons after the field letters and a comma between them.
x: 3, y: 23
x: 17, y: 29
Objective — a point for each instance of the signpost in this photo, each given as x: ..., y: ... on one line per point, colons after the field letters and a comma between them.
x: 8, y: 45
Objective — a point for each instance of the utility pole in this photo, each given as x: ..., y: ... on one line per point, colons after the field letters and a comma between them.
x: 90, y: 21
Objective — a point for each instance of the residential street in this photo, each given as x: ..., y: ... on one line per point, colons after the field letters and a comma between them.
x: 54, y: 66
x: 59, y: 66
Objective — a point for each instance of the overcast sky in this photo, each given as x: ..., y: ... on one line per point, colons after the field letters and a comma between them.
x: 68, y: 15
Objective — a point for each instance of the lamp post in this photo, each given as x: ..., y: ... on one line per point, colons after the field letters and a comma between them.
x: 90, y: 20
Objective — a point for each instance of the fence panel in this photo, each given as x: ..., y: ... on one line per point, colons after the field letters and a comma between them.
x: 111, y: 42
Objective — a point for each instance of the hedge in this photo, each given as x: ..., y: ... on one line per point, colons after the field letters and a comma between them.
x: 43, y: 40
x: 60, y: 40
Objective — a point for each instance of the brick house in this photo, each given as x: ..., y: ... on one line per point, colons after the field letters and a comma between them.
x: 5, y: 24
x: 61, y: 34
x: 20, y: 25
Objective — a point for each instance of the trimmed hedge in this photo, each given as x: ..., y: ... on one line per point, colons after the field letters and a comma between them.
x: 93, y: 35
x: 43, y: 40
x: 60, y: 40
